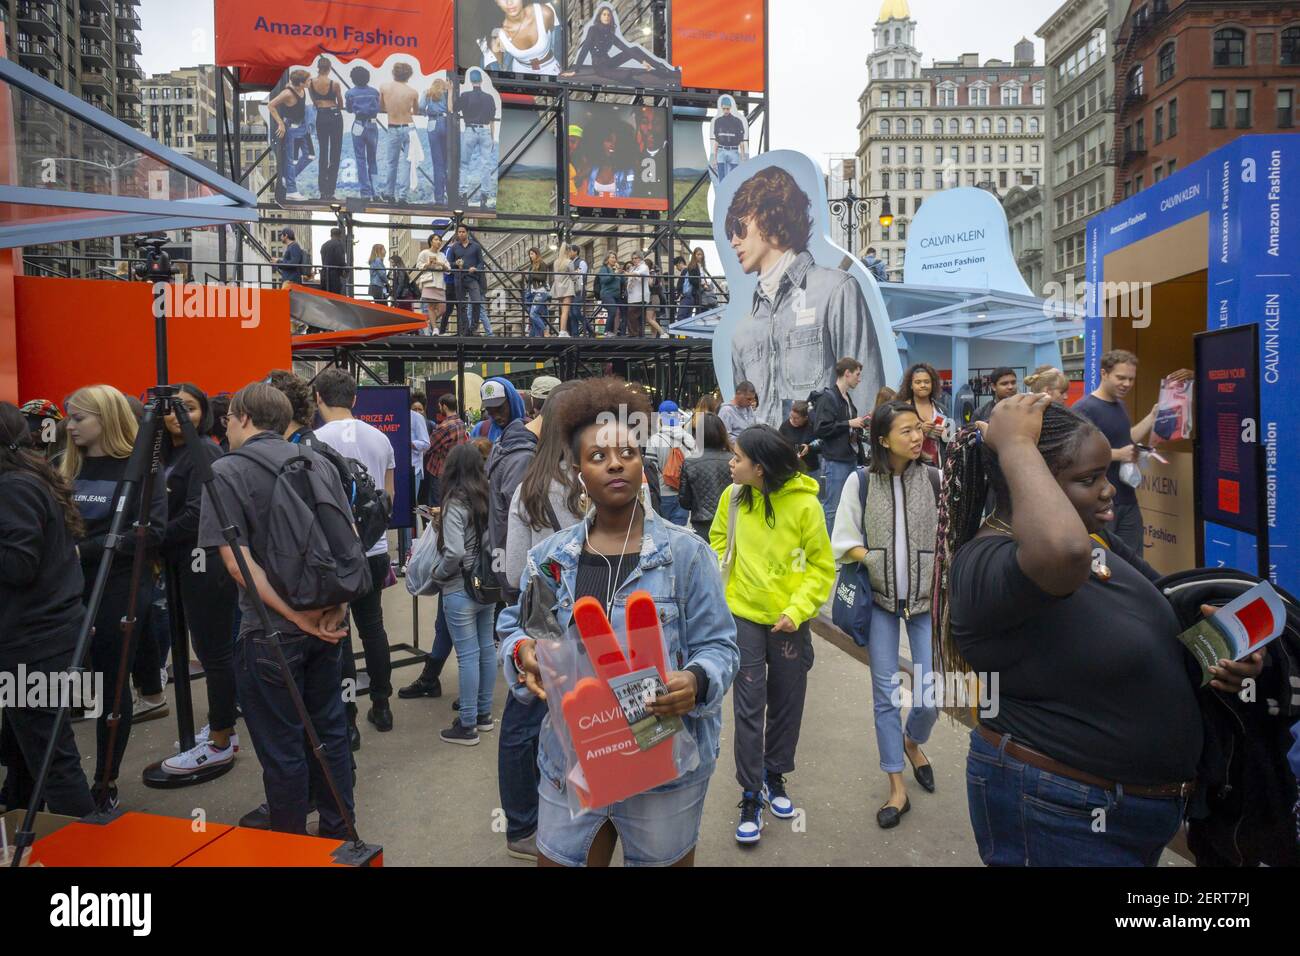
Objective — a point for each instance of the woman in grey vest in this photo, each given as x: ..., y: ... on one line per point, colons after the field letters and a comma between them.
x: 893, y: 536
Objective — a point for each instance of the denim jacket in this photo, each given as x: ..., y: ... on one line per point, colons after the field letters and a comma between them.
x: 680, y: 572
x: 788, y: 347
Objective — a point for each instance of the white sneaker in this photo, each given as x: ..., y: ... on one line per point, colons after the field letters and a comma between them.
x: 295, y: 197
x: 663, y: 335
x: 165, y: 678
x: 200, y: 756
x: 434, y: 332
x: 142, y: 709
x: 562, y: 335
x: 204, y: 733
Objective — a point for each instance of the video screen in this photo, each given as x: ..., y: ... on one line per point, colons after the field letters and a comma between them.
x: 618, y: 156
x: 511, y: 36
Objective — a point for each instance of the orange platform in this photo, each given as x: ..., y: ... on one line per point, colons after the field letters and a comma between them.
x: 144, y: 839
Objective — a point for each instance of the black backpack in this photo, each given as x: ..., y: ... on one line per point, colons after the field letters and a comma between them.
x: 371, y: 506
x: 481, y: 580
x: 313, y: 558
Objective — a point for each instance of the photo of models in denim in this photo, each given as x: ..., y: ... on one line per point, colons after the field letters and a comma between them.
x: 798, y: 303
x: 728, y: 135
x: 511, y: 36
x: 604, y: 57
x: 617, y: 156
x: 478, y: 109
x: 385, y: 136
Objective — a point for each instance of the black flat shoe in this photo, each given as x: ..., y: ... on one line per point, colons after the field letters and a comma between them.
x: 887, y: 817
x: 924, y: 776
x: 354, y: 738
x: 381, y: 715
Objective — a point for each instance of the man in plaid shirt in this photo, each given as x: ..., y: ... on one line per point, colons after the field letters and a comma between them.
x: 449, y: 433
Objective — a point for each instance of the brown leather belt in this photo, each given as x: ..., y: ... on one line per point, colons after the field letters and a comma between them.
x: 1043, y: 762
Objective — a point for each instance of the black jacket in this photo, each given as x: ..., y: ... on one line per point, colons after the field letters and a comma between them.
x: 802, y: 436
x: 40, y: 577
x: 832, y: 411
x: 704, y: 479
x: 184, y: 500
x: 506, y: 464
x: 334, y: 263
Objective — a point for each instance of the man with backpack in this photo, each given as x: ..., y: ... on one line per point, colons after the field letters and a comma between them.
x: 669, y: 447
x: 257, y: 483
x: 335, y: 392
x: 838, y: 426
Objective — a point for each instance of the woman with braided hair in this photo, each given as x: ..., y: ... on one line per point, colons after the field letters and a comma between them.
x: 1086, y: 754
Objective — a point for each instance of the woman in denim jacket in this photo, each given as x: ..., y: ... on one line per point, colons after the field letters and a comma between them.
x: 620, y: 548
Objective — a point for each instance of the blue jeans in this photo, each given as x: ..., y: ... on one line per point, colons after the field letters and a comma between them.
x: 294, y: 157
x: 613, y: 314
x: 1023, y: 816
x: 471, y: 629
x: 397, y: 165
x: 438, y: 157
x: 517, y: 773
x: 882, y: 646
x: 365, y: 150
x: 478, y: 173
x: 671, y: 509
x: 685, y: 306
x: 836, y: 472
x: 728, y: 159
x: 469, y: 298
x: 289, y: 772
x: 537, y: 313
x: 579, y: 322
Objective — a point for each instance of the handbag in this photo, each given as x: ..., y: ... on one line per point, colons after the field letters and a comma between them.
x: 851, y: 600
x: 480, y: 579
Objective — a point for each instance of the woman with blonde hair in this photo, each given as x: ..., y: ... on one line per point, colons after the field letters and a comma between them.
x: 1050, y: 380
x: 563, y: 287
x: 100, y: 433
x: 378, y: 273
x: 434, y: 106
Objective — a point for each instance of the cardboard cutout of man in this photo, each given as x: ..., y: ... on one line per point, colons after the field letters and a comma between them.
x: 728, y: 138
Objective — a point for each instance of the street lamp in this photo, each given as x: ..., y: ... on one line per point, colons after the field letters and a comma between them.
x: 851, y: 208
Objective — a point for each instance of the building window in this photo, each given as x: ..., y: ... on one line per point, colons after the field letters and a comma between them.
x: 884, y: 127
x: 1002, y: 179
x: 884, y: 180
x: 954, y: 127
x: 1002, y: 154
x: 1173, y: 118
x: 1243, y: 109
x: 986, y: 153
x: 1230, y: 47
x: 916, y: 98
x: 1002, y: 126
x: 1158, y: 134
x: 970, y: 177
x: 938, y: 154
x: 938, y: 180
x: 1170, y: 167
x: 1291, y: 46
x: 978, y: 95
x: 1038, y: 94
x: 1018, y: 125
x: 1218, y: 118
x: 1020, y: 154
x: 986, y: 126
x: 918, y: 126
x: 884, y: 99
x: 1141, y: 129
x: 1035, y: 154
x: 918, y: 155
x: 1165, y: 68
x: 1137, y: 184
x: 954, y: 154
x: 947, y: 94
x: 1011, y: 95
x: 884, y: 154
x: 918, y: 179
x: 969, y: 125
x: 1033, y: 124
x: 1136, y: 85
x: 938, y: 127
x: 1285, y: 101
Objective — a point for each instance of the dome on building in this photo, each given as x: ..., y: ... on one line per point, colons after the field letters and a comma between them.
x: 894, y: 10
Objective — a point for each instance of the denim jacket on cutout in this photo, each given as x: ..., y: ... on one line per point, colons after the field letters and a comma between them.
x: 680, y: 571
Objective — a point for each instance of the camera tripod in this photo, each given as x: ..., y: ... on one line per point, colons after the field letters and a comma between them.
x: 142, y: 471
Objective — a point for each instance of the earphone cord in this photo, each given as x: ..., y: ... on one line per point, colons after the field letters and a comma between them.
x: 611, y: 587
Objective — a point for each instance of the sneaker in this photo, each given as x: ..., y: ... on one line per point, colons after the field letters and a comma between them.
x: 663, y: 335
x: 107, y: 800
x: 455, y: 704
x: 421, y: 688
x: 434, y: 332
x: 258, y: 819
x: 199, y: 757
x: 486, y: 723
x: 165, y: 676
x: 143, y: 710
x: 750, y: 828
x: 458, y: 733
x: 295, y: 197
x: 203, y: 733
x: 525, y: 849
x: 775, y: 796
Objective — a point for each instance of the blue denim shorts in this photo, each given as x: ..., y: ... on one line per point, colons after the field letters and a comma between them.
x: 654, y: 829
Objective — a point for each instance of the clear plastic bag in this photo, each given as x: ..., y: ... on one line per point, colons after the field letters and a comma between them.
x: 597, y: 684
x: 419, y: 566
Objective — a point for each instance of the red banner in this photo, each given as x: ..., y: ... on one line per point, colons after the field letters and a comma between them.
x: 264, y: 38
x: 720, y: 44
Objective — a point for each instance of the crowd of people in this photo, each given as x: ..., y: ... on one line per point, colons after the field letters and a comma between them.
x: 558, y: 295
x: 976, y: 540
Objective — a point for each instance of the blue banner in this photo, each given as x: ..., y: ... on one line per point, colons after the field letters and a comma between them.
x: 388, y: 408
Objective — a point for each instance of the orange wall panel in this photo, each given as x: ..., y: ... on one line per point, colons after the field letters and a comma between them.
x: 75, y: 332
x: 720, y: 44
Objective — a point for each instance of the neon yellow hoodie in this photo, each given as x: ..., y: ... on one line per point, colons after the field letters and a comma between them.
x: 786, y: 569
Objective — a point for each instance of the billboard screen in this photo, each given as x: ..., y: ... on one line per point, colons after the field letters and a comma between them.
x: 720, y: 44
x: 617, y: 156
x: 263, y: 39
x: 527, y: 171
x: 1227, y: 399
x: 386, y: 137
x: 604, y: 57
x: 511, y: 36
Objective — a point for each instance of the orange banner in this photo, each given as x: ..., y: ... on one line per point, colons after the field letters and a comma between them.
x: 720, y: 44
x: 263, y: 37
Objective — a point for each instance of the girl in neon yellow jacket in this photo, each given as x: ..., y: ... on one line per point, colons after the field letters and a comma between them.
x: 769, y: 531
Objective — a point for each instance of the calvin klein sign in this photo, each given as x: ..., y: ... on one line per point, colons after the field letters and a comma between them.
x: 959, y: 239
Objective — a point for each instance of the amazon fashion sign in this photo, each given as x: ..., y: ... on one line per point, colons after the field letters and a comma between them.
x: 959, y: 239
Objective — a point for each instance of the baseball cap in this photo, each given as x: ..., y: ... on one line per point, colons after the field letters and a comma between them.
x: 669, y: 413
x: 493, y: 394
x: 575, y: 129
x: 542, y: 387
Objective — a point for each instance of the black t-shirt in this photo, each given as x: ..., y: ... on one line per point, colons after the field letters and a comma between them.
x: 802, y: 436
x: 1112, y: 418
x: 596, y: 571
x: 1096, y: 679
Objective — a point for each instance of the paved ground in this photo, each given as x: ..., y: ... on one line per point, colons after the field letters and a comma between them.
x: 431, y: 804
